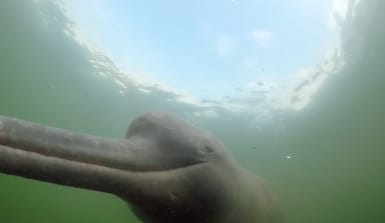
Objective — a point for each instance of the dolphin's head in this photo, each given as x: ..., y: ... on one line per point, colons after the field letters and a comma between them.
x: 183, y: 171
x: 163, y: 141
x: 166, y: 169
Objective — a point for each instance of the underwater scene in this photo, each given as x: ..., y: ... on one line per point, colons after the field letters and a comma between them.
x: 294, y: 89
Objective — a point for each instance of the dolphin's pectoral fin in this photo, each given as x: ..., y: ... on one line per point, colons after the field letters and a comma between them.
x: 197, y: 193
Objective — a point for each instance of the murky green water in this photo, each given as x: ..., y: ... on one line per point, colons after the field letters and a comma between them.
x: 336, y: 146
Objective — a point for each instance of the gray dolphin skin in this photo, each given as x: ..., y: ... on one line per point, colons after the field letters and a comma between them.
x: 167, y: 170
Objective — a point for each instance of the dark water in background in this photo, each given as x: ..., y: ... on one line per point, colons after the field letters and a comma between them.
x: 337, y: 173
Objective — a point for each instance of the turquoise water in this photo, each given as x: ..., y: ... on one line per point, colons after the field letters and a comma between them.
x: 326, y: 161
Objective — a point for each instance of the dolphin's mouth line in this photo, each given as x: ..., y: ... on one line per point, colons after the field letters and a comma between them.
x: 63, y: 157
x: 15, y: 154
x: 77, y: 173
x: 80, y: 174
x: 41, y: 142
x: 32, y: 155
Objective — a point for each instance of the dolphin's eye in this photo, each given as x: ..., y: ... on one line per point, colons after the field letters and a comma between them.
x: 209, y: 149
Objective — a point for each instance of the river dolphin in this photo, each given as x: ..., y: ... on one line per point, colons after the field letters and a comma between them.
x: 167, y: 170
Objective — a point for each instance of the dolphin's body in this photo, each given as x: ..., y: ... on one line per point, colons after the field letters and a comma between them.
x: 167, y: 170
